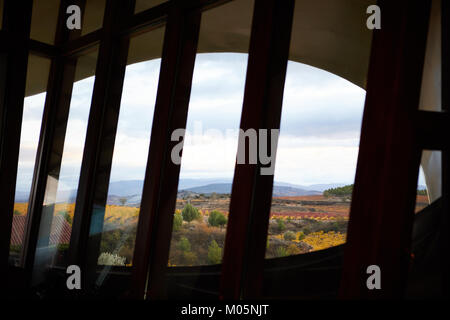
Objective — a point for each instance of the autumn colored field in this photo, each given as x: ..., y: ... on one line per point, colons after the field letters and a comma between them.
x: 310, y: 215
x: 297, y: 225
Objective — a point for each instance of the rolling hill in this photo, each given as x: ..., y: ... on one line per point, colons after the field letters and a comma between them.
x: 131, y: 190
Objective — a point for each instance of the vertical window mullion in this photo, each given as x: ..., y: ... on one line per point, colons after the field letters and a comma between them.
x: 13, y: 69
x: 251, y: 195
x: 51, y: 142
x: 100, y: 137
x: 445, y: 103
x: 384, y: 194
x: 161, y: 179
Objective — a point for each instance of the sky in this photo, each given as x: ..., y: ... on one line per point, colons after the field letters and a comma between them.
x: 319, y: 134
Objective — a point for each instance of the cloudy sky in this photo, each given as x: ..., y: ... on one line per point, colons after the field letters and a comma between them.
x: 319, y: 134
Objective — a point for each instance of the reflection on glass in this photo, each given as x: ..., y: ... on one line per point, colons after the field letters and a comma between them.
x: 62, y: 181
x: 93, y: 16
x: 121, y: 213
x: 429, y: 185
x: 142, y: 5
x: 33, y: 108
x: 44, y: 19
x: 316, y: 161
x: 422, y: 198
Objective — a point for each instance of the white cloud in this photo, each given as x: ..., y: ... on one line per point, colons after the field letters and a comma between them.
x: 319, y: 128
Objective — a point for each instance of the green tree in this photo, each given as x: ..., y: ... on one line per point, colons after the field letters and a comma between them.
x: 184, y: 244
x: 17, y: 213
x: 177, y: 221
x: 123, y: 201
x: 190, y: 213
x: 345, y: 191
x: 280, y: 225
x: 214, y: 253
x: 217, y: 219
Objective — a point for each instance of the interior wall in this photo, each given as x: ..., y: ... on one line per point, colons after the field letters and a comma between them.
x: 430, y: 98
x: 333, y: 36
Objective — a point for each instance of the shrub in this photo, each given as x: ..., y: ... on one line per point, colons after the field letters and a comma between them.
x: 177, y: 221
x: 217, y: 219
x: 214, y: 253
x: 15, y: 248
x: 199, y: 217
x: 292, y: 250
x: 184, y: 244
x: 17, y: 213
x: 66, y: 216
x: 63, y: 247
x: 281, y: 252
x: 289, y: 236
x: 301, y: 236
x: 422, y: 192
x: 190, y: 213
x: 190, y: 258
x: 111, y: 259
x: 280, y: 225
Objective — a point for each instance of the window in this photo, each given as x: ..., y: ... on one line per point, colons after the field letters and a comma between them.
x: 209, y: 151
x: 62, y: 180
x: 320, y: 127
x: 33, y: 108
x: 209, y: 156
x: 316, y: 161
x: 85, y: 151
x: 131, y: 147
x: 429, y: 185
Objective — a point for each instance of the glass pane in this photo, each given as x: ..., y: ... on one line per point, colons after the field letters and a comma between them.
x: 424, y: 278
x: 429, y: 185
x: 33, y: 108
x: 93, y: 16
x: 320, y: 129
x: 142, y: 5
x: 422, y: 198
x: 44, y: 20
x: 62, y: 181
x: 209, y: 152
x: 130, y: 154
x: 316, y: 161
x: 430, y: 93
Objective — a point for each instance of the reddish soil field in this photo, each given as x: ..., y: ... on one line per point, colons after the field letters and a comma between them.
x: 311, y: 215
x: 310, y: 198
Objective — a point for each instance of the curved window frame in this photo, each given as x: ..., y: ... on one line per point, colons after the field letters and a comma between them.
x: 174, y: 86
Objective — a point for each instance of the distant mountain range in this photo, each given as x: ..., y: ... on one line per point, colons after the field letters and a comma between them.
x: 278, y: 190
x: 131, y: 190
